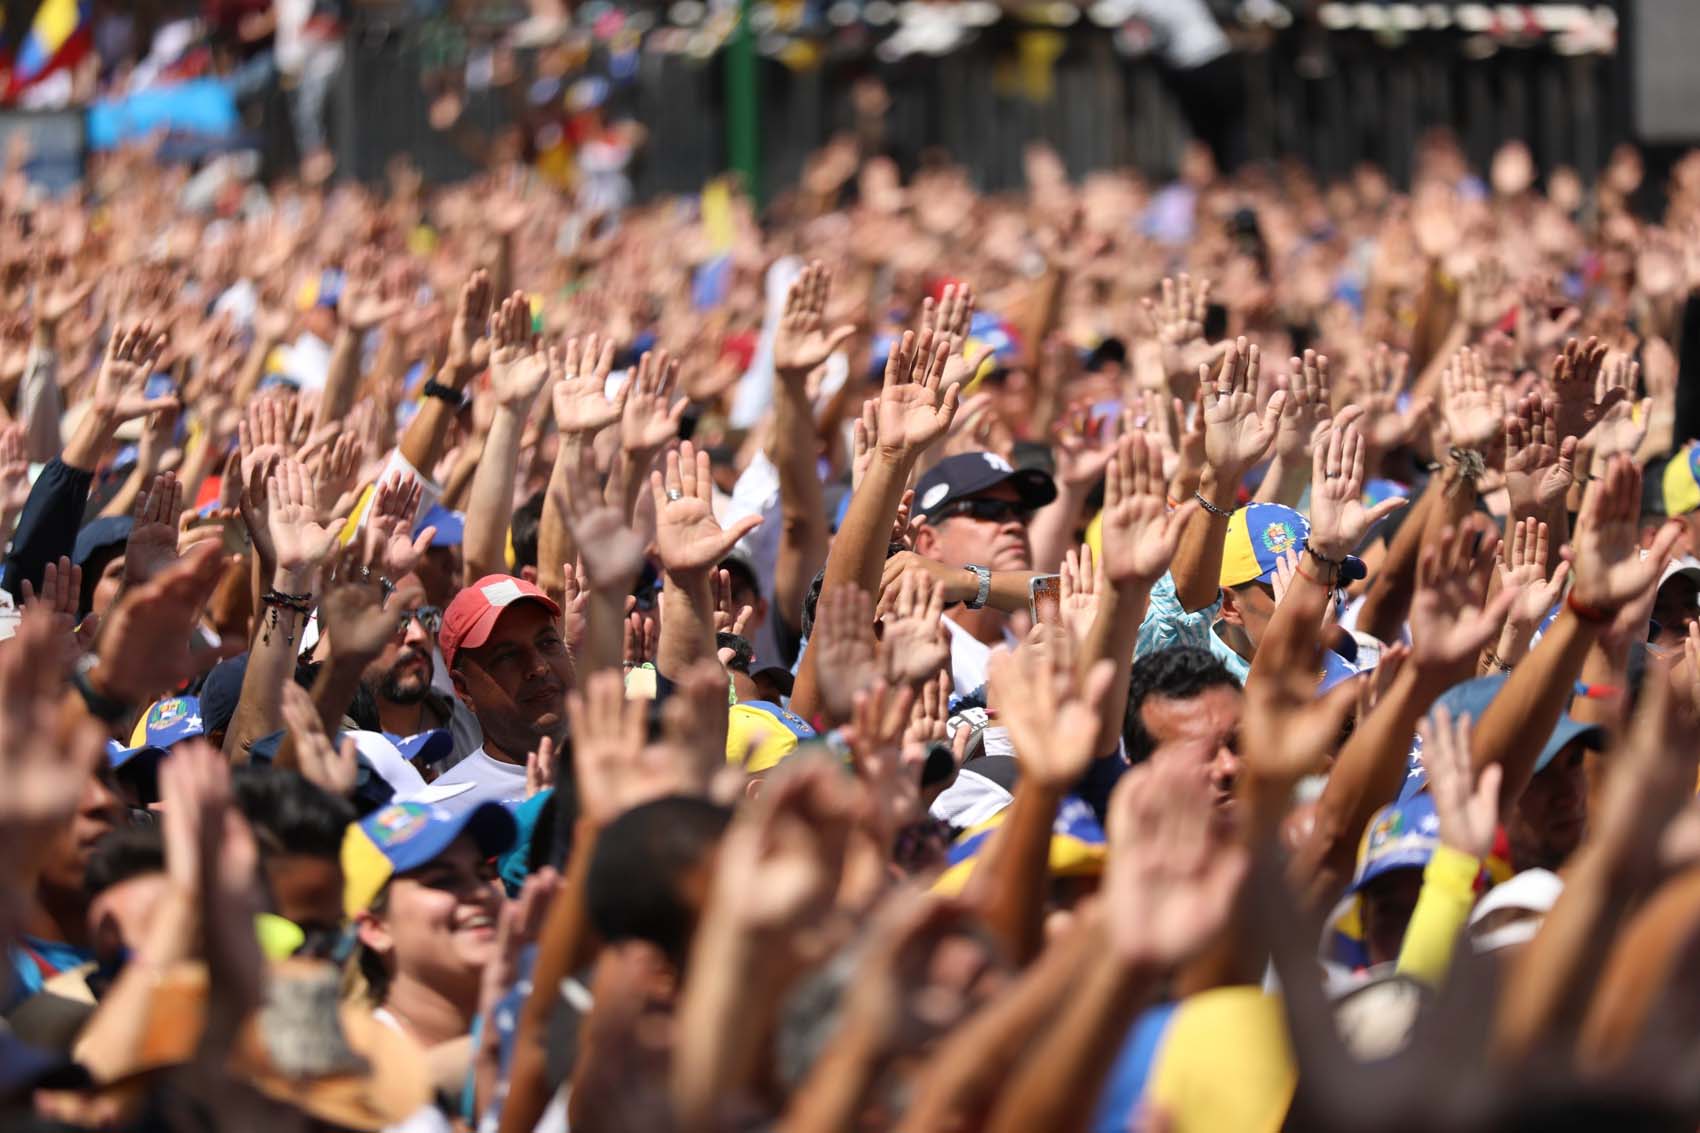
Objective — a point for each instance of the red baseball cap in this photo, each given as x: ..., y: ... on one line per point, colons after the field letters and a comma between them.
x: 473, y: 613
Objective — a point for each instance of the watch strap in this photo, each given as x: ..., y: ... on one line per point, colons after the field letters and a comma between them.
x: 985, y: 591
x: 436, y: 389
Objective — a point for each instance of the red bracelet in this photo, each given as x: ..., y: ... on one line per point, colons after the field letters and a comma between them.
x: 1589, y: 614
x: 1305, y: 574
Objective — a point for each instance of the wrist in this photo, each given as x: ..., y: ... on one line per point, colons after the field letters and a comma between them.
x: 1219, y: 486
x: 293, y: 579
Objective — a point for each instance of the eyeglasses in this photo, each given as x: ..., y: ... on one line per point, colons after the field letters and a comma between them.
x: 430, y: 619
x: 988, y: 510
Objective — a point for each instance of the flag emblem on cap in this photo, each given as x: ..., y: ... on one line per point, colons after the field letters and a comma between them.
x: 168, y: 712
x: 398, y: 822
x: 1278, y: 538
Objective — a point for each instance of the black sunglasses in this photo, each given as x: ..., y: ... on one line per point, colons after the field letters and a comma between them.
x: 430, y: 619
x: 988, y: 510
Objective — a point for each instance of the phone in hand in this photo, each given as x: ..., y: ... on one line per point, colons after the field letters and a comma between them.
x: 1044, y: 599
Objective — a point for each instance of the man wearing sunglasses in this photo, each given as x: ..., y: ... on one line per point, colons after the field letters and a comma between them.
x: 972, y: 512
x: 400, y: 679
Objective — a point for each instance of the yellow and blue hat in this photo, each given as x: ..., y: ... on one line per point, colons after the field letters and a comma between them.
x: 1679, y: 486
x: 1077, y: 846
x: 404, y: 836
x: 169, y: 721
x: 765, y: 732
x: 1258, y: 535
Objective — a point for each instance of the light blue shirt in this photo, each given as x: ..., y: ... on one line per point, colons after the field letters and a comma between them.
x: 1168, y: 625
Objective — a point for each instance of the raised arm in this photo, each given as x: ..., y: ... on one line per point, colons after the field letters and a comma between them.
x: 469, y: 352
x: 691, y: 543
x: 582, y: 410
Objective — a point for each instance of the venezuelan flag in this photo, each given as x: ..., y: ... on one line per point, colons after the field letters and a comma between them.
x: 58, y: 37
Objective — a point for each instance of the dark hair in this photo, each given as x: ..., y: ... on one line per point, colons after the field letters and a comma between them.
x: 528, y: 517
x: 632, y: 891
x: 125, y: 853
x: 290, y: 814
x: 1179, y: 673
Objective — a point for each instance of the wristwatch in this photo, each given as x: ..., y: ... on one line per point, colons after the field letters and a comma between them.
x: 436, y: 389
x: 100, y: 706
x: 985, y: 577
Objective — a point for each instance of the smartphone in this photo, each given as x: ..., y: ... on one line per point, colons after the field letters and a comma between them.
x: 1044, y: 599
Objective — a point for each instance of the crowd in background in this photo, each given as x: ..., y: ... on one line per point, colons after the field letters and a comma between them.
x: 1213, y: 655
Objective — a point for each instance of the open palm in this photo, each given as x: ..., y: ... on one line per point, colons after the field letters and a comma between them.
x: 803, y: 342
x: 580, y: 398
x: 687, y: 536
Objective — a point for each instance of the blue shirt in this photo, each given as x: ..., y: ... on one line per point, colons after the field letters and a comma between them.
x: 1169, y: 625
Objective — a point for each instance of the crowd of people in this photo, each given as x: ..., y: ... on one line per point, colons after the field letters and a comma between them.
x: 1219, y: 655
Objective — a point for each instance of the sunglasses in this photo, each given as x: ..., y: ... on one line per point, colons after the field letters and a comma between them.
x: 430, y: 619
x: 989, y: 511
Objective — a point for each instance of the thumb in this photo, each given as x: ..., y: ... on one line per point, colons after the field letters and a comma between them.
x: 1386, y: 508
x: 839, y: 337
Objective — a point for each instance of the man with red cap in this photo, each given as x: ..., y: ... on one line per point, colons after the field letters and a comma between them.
x: 503, y: 643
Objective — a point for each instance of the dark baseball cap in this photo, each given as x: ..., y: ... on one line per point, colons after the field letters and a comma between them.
x: 970, y: 473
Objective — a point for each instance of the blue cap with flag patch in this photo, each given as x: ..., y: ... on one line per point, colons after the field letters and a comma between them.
x: 1401, y: 836
x: 405, y: 836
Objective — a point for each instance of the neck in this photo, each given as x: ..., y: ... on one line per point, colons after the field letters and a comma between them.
x: 429, y: 1012
x: 984, y: 625
x: 403, y: 719
x: 498, y: 752
x: 58, y: 915
x: 1235, y: 638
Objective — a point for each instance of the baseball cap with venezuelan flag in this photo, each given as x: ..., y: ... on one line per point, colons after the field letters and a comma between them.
x: 402, y: 837
x: 1077, y: 846
x: 1258, y: 535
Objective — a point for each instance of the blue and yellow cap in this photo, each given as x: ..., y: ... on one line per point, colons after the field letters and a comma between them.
x: 1077, y: 846
x: 404, y: 836
x: 766, y: 732
x: 169, y: 721
x: 1679, y: 486
x: 1258, y: 535
x: 1402, y: 835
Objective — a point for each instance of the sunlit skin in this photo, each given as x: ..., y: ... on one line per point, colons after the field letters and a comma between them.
x: 1204, y: 730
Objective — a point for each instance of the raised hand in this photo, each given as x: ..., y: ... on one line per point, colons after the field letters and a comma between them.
x: 1084, y: 445
x: 1050, y: 710
x: 391, y: 548
x: 365, y: 301
x: 1172, y: 872
x: 950, y: 319
x: 14, y: 474
x: 152, y: 545
x: 580, y: 398
x: 878, y: 720
x: 915, y: 407
x: 1338, y: 518
x: 650, y: 417
x: 728, y: 617
x: 132, y: 355
x: 354, y: 613
x: 914, y: 645
x: 1080, y: 586
x: 469, y: 345
x: 1539, y: 467
x: 324, y: 764
x: 1384, y: 426
x: 613, y: 766
x: 847, y: 652
x: 1178, y: 320
x: 1466, y: 804
x: 1236, y: 436
x: 1138, y: 533
x: 298, y: 538
x: 519, y: 365
x: 144, y: 646
x: 1471, y: 410
x: 1450, y: 623
x: 1524, y: 568
x: 1610, y: 571
x: 1621, y: 428
x: 612, y: 553
x: 263, y: 436
x: 802, y: 341
x: 60, y: 594
x: 687, y: 536
x: 336, y: 472
x: 542, y: 765
x: 1306, y: 407
x: 779, y: 865
x: 1575, y: 380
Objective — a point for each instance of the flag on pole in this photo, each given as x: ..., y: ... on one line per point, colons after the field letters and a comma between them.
x: 58, y: 37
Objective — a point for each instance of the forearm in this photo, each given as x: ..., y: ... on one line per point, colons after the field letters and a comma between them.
x: 254, y: 368
x: 1058, y: 1085
x: 724, y: 1014
x: 40, y: 404
x: 89, y: 442
x: 831, y: 1097
x: 199, y: 454
x: 1529, y: 705
x: 1385, y: 607
x: 334, y: 687
x: 555, y: 550
x: 564, y: 947
x: 1052, y: 530
x: 271, y: 662
x: 1606, y: 667
x: 604, y: 633
x: 803, y: 535
x: 687, y: 623
x: 1368, y: 774
x: 1284, y: 482
x: 1015, y: 900
x: 1113, y: 637
x: 341, y: 379
x: 134, y: 484
x: 490, y: 510
x: 1197, y: 566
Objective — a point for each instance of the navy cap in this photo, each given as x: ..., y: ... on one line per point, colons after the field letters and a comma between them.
x: 107, y: 531
x: 970, y: 473
x: 220, y: 691
x: 1473, y: 696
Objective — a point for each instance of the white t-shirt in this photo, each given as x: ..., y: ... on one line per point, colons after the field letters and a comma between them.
x: 968, y: 656
x: 479, y: 778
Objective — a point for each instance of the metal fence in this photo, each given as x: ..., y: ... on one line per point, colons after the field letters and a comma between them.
x: 1330, y: 100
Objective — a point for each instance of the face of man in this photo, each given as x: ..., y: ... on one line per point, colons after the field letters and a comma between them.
x: 1249, y: 607
x: 516, y: 682
x: 1203, y: 730
x: 401, y: 673
x: 1675, y: 609
x: 1549, y: 820
x: 986, y: 529
x: 98, y: 813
